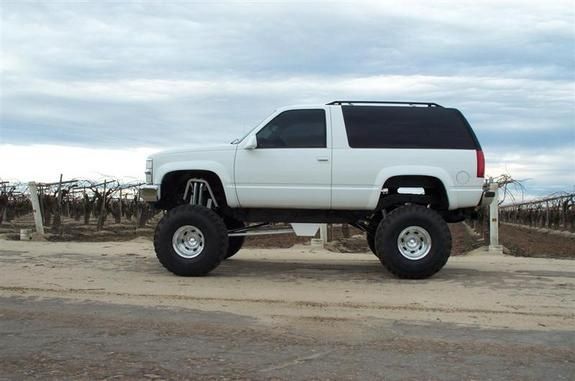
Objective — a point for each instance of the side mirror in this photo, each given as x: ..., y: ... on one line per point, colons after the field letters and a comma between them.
x: 251, y: 142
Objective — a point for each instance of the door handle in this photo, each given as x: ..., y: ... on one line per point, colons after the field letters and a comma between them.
x: 322, y: 158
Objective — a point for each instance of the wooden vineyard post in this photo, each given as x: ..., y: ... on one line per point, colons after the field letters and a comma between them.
x: 345, y: 230
x: 58, y: 212
x: 85, y: 212
x: 40, y: 193
x: 4, y: 216
x: 136, y: 210
x: 36, y: 207
x: 102, y: 209
x: 120, y: 205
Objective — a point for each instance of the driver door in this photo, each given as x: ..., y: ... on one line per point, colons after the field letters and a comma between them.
x: 291, y: 165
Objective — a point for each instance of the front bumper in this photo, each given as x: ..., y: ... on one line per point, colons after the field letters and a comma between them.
x: 150, y: 193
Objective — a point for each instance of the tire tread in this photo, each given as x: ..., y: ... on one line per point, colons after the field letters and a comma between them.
x: 200, y: 268
x: 444, y: 234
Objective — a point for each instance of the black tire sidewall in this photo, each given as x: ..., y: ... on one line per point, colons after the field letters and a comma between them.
x: 371, y: 243
x: 388, y: 233
x: 215, y: 240
x: 372, y: 230
x: 234, y: 243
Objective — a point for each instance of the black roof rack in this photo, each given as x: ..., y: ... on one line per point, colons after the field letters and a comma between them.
x: 428, y: 104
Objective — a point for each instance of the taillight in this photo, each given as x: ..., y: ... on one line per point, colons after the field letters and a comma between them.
x: 480, y: 163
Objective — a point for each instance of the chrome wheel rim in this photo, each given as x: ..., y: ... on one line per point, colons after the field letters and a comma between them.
x: 414, y: 243
x: 188, y: 241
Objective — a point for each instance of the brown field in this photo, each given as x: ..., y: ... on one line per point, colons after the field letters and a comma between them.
x: 525, y: 242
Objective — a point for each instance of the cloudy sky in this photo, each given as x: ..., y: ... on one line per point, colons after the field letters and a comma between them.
x: 89, y: 88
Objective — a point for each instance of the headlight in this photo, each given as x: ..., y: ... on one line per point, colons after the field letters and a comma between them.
x: 149, y: 171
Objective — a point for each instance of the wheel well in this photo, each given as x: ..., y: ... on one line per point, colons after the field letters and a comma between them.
x: 174, y: 183
x: 415, y: 189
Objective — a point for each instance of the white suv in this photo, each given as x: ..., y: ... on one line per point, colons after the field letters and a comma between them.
x: 397, y: 170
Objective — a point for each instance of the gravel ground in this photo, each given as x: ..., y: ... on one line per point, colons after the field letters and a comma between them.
x: 108, y: 310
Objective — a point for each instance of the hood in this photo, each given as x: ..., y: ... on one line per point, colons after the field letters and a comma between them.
x: 192, y: 149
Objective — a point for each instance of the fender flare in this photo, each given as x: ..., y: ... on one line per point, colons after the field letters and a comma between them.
x: 412, y: 170
x: 201, y: 165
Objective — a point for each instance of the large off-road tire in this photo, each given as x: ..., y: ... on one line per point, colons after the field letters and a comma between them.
x: 191, y: 240
x: 234, y: 243
x: 371, y: 230
x: 370, y: 237
x: 414, y: 242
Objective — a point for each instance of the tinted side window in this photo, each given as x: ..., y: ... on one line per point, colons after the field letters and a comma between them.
x: 294, y: 129
x: 407, y: 127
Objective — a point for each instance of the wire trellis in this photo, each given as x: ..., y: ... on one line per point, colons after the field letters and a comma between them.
x: 556, y: 212
x: 80, y: 200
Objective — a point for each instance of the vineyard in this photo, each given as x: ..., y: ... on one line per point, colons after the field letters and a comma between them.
x: 537, y: 228
x: 555, y: 213
x: 87, y: 210
x: 75, y: 208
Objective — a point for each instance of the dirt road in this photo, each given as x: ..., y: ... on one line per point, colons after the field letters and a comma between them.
x: 109, y: 310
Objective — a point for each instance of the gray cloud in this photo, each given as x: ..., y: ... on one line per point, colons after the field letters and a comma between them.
x: 130, y: 74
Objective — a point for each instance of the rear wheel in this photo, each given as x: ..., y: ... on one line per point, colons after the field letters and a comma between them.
x: 234, y: 243
x: 371, y: 242
x: 413, y: 241
x: 191, y: 240
x: 371, y: 230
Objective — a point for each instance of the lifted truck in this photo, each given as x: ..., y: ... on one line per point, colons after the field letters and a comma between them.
x: 400, y: 171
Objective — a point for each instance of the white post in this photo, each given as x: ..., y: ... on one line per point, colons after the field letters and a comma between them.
x: 494, y: 220
x: 323, y: 233
x: 36, y: 207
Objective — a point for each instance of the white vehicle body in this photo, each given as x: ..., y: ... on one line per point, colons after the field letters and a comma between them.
x: 334, y: 177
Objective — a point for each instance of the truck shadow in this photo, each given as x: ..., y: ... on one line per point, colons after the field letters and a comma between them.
x: 366, y: 271
x: 293, y: 270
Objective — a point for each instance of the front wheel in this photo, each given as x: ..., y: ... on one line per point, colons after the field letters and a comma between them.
x: 414, y: 242
x: 191, y: 240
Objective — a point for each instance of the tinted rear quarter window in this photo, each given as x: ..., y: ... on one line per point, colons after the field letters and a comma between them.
x: 407, y: 127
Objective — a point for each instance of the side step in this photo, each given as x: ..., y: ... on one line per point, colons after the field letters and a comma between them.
x: 301, y: 230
